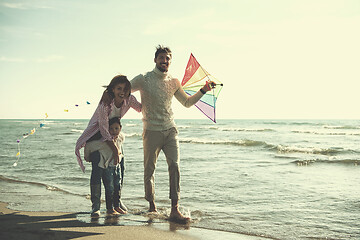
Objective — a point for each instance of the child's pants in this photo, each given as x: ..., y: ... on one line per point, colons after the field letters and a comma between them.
x: 112, y: 178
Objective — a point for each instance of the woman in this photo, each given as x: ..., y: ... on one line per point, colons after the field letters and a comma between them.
x: 119, y: 91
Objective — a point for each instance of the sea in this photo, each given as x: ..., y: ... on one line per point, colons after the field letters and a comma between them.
x: 272, y: 178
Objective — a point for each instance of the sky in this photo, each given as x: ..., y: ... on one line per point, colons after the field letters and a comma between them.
x: 277, y: 59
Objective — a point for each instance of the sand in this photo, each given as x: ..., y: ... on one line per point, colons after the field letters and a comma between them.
x: 55, y: 225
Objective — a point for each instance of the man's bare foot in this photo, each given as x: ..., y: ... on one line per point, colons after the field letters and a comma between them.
x: 119, y: 210
x: 176, y: 216
x: 112, y: 212
x: 152, y: 207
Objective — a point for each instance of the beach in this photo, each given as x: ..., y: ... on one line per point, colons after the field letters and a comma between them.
x: 243, y: 179
x: 56, y: 225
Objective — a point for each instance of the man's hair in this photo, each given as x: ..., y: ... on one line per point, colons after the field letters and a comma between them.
x: 114, y: 120
x: 162, y: 49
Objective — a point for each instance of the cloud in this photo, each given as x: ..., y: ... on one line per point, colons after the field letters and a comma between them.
x: 6, y: 59
x: 14, y: 5
x: 23, y: 6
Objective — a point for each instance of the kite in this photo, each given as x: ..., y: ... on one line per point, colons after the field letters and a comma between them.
x: 195, y: 77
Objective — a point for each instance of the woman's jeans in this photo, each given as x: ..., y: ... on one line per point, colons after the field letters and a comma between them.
x: 112, y: 180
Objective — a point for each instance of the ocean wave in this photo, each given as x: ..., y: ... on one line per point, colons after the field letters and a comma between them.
x: 247, y: 130
x: 286, y: 123
x: 234, y: 129
x: 72, y: 131
x: 26, y: 121
x: 48, y: 187
x: 130, y: 135
x: 245, y: 142
x: 163, y: 213
x: 327, y: 133
x: 352, y: 162
x: 131, y: 124
x: 189, y: 127
x: 72, y: 178
x: 49, y: 121
x: 341, y: 127
x: 307, y: 150
x: 281, y: 149
x: 77, y: 130
x: 183, y: 127
x: 210, y: 127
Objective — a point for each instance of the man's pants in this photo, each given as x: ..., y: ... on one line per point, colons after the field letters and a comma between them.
x: 154, y: 142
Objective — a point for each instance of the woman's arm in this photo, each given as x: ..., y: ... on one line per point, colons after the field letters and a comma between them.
x: 115, y: 150
x: 134, y: 103
x: 103, y: 120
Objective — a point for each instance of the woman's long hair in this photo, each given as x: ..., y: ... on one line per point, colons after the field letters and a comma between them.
x: 115, y: 81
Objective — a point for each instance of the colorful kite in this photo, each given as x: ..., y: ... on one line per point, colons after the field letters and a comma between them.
x: 195, y: 77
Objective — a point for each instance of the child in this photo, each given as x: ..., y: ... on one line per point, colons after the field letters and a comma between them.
x: 110, y: 170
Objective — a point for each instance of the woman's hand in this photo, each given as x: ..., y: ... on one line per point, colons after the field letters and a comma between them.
x: 115, y: 151
x: 116, y: 159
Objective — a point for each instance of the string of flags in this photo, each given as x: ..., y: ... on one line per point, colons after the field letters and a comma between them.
x: 76, y: 105
x: 25, y: 135
x: 32, y: 132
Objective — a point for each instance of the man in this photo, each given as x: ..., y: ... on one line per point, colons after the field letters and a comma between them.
x: 157, y: 89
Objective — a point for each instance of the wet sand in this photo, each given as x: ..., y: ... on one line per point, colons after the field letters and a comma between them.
x: 55, y: 225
